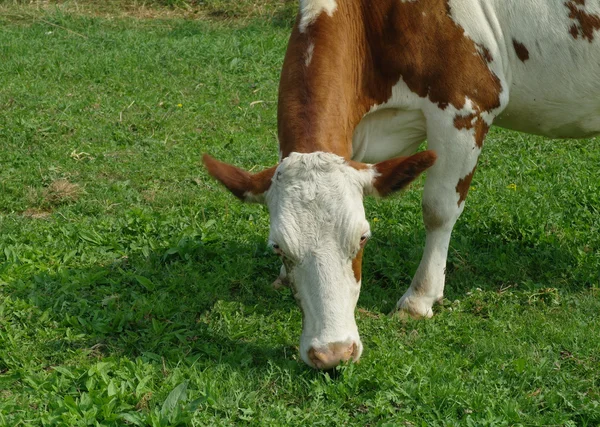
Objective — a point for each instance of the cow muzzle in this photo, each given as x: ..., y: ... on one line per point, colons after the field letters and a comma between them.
x: 331, y: 355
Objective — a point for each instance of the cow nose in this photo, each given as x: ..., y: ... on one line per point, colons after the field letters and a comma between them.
x: 332, y: 354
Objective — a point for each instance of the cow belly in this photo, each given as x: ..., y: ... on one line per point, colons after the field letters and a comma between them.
x: 547, y: 54
x: 388, y: 132
x: 558, y: 98
x: 553, y: 119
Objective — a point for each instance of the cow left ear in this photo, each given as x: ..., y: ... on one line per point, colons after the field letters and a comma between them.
x: 395, y: 174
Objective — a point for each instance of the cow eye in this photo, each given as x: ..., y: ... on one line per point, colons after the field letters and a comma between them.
x: 365, y: 237
x: 276, y: 248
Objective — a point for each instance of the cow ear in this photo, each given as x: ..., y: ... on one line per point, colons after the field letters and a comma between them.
x: 395, y: 174
x: 244, y: 185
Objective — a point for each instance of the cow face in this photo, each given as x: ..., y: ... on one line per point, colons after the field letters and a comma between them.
x: 319, y: 229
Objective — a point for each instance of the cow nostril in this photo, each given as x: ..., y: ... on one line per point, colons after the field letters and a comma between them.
x: 317, y: 358
x: 342, y: 351
x: 350, y: 352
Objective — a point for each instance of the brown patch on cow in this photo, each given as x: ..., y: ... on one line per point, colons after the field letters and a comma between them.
x: 574, y: 31
x: 481, y: 131
x: 357, y: 264
x: 473, y: 121
x: 237, y: 180
x: 585, y: 23
x: 462, y: 188
x: 465, y: 122
x: 485, y: 53
x: 316, y: 106
x: 360, y: 53
x: 432, y: 53
x: 395, y: 174
x: 521, y: 50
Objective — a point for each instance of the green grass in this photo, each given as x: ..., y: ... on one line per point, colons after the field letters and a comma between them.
x: 134, y: 289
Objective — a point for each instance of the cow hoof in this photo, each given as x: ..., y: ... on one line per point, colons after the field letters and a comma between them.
x: 415, y: 308
x: 406, y: 315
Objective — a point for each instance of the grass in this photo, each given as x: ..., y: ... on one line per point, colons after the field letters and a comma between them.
x: 135, y: 290
x: 278, y: 12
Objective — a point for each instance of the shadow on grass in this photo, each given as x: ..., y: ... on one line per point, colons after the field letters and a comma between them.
x: 477, y: 258
x: 207, y: 304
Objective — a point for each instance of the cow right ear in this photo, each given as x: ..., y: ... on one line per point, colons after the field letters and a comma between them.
x: 395, y: 174
x: 245, y: 186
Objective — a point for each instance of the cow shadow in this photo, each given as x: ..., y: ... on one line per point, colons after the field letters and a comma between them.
x: 171, y: 306
x: 485, y: 258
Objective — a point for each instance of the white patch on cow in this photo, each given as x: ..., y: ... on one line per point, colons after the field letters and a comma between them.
x: 394, y: 128
x: 556, y: 93
x: 317, y: 219
x: 311, y: 9
x: 384, y: 133
x: 309, y: 54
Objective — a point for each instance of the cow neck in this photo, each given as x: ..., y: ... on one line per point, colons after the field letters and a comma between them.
x: 326, y: 83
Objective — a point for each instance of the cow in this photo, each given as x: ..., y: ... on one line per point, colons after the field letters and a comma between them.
x: 363, y: 84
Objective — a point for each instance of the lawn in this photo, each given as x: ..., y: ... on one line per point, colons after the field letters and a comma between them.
x: 135, y: 290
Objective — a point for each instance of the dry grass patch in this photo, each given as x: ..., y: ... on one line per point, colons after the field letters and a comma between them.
x: 43, y: 201
x: 35, y: 213
x: 16, y: 10
x: 61, y: 191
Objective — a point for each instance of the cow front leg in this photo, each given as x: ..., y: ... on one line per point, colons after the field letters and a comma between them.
x: 446, y: 188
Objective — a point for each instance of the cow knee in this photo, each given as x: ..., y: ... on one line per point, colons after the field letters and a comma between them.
x: 438, y: 216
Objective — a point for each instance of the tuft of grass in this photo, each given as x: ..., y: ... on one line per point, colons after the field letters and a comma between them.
x: 60, y: 192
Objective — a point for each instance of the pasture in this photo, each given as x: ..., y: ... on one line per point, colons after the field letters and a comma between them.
x: 135, y: 290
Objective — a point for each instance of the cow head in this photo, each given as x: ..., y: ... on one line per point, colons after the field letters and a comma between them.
x: 319, y: 229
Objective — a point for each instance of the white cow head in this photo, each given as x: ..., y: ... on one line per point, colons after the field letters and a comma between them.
x: 319, y: 229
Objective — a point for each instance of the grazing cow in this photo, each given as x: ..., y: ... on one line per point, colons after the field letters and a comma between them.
x: 364, y: 82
